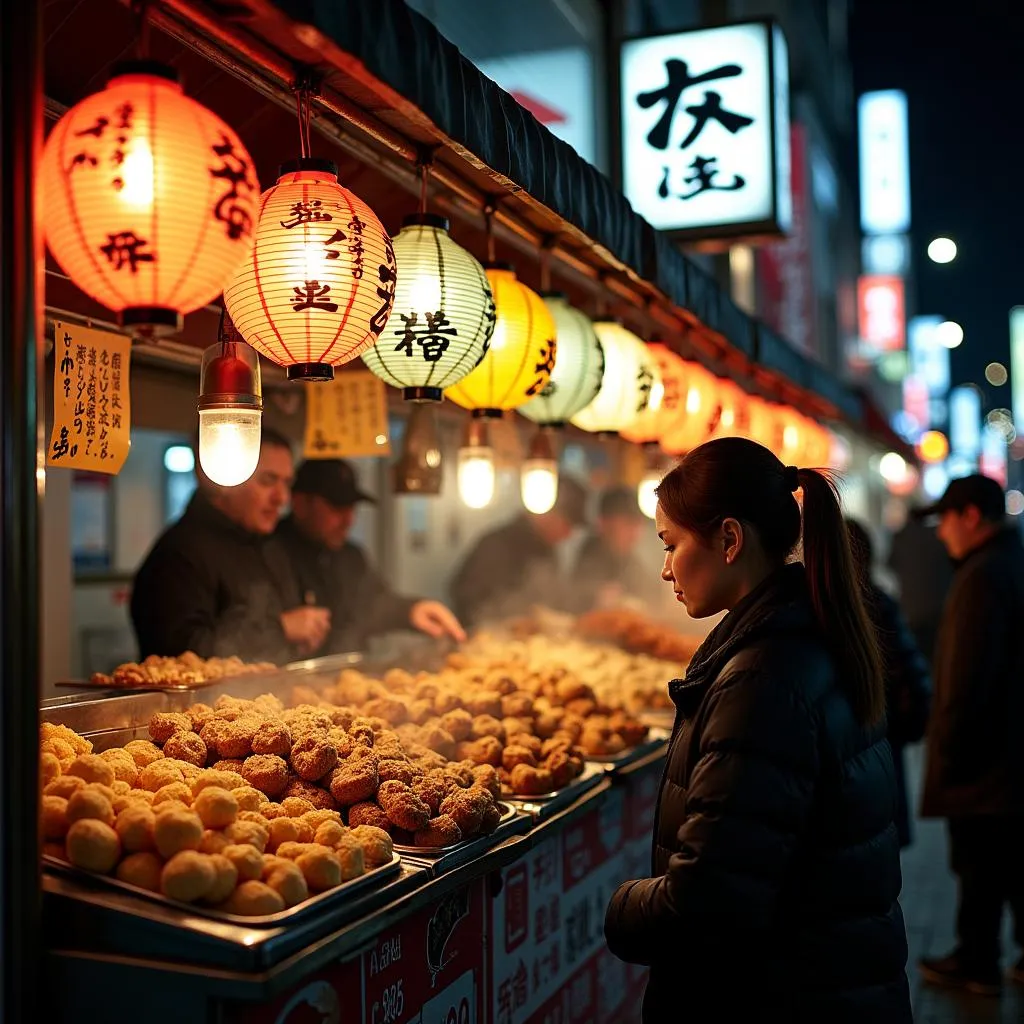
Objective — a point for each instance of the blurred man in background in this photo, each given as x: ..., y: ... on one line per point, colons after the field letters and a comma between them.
x: 975, y: 765
x: 516, y: 566
x: 607, y: 570
x: 214, y: 585
x: 335, y: 573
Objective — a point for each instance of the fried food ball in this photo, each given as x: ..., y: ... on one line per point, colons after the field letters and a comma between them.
x: 534, y: 744
x: 98, y: 787
x: 92, y: 845
x: 546, y: 724
x: 188, y: 876
x: 199, y: 715
x: 316, y: 818
x: 528, y: 781
x: 431, y: 791
x: 402, y: 806
x: 491, y: 820
x: 513, y: 755
x: 135, y: 828
x: 438, y: 832
x: 213, y: 841
x: 419, y: 711
x: 65, y: 786
x: 437, y: 739
x: 515, y: 727
x: 486, y: 750
x: 486, y: 777
x: 254, y: 899
x: 236, y: 740
x: 224, y: 880
x: 63, y: 751
x: 312, y: 757
x: 355, y: 781
x: 164, y: 724
x: 142, y: 869
x: 266, y: 772
x: 229, y: 764
x: 49, y: 768
x: 461, y: 774
x: 321, y: 869
x: 179, y: 791
x: 120, y: 788
x: 256, y: 817
x: 517, y: 705
x: 53, y: 817
x: 287, y: 880
x: 466, y: 808
x: 296, y: 806
x: 392, y: 710
x: 369, y: 813
x: 217, y: 807
x: 269, y: 702
x: 330, y: 833
x: 90, y: 803
x: 319, y: 798
x: 601, y: 742
x: 397, y: 770
x: 488, y: 725
x: 175, y: 830
x: 360, y: 731
x: 248, y: 832
x: 283, y: 830
x: 143, y: 753
x: 188, y: 747
x: 483, y: 702
x: 123, y: 764
x: 291, y: 850
x: 247, y: 798
x: 378, y: 848
x: 350, y: 858
x: 48, y: 731
x: 272, y: 737
x: 92, y: 768
x: 272, y: 810
x: 458, y: 723
x: 220, y: 779
x: 248, y: 861
x: 159, y: 774
x: 211, y: 734
x: 563, y: 768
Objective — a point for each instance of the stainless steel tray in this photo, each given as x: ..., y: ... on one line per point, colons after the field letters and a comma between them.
x: 655, y: 738
x: 547, y: 804
x: 316, y: 905
x: 436, y: 852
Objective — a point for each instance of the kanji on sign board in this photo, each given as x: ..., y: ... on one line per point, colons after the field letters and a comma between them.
x: 347, y: 417
x: 91, y: 399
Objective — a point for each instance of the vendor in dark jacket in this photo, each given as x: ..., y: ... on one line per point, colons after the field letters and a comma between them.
x: 516, y: 566
x: 334, y: 572
x: 975, y: 765
x: 213, y: 584
x: 908, y: 685
x: 776, y: 875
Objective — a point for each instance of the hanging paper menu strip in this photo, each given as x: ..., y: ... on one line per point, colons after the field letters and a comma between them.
x: 347, y: 418
x: 91, y: 399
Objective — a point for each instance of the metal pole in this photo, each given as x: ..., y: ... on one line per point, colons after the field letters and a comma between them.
x: 21, y: 266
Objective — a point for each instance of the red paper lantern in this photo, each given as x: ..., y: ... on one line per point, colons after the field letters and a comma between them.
x: 733, y: 411
x: 764, y: 425
x: 667, y: 405
x: 700, y: 408
x: 150, y: 199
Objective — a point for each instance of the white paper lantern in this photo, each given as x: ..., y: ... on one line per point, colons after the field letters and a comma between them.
x: 443, y: 315
x: 629, y: 374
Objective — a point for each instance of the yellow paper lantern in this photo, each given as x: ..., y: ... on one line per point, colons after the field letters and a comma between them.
x: 443, y: 315
x: 150, y: 199
x: 576, y: 379
x: 629, y: 375
x: 668, y: 398
x: 522, y: 354
x: 318, y: 286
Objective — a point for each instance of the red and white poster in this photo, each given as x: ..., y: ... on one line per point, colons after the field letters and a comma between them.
x: 785, y: 269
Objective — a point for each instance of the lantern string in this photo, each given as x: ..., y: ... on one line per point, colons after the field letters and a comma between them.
x: 423, y: 170
x: 304, y: 109
x: 545, y: 263
x: 489, y: 210
x: 140, y: 8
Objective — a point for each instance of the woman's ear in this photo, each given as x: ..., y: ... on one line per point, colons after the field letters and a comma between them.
x: 732, y: 540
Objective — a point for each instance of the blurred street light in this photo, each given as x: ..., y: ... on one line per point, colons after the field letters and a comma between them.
x: 949, y: 334
x: 942, y: 250
x: 996, y: 375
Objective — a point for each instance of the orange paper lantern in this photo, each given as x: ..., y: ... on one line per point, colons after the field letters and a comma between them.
x: 764, y: 425
x: 700, y: 409
x: 150, y: 198
x: 818, y: 453
x: 667, y: 405
x: 319, y: 284
x: 793, y: 436
x: 733, y: 418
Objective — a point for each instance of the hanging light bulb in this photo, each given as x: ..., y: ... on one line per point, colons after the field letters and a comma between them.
x: 646, y: 492
x: 418, y: 470
x: 539, y: 475
x: 476, y: 475
x: 230, y: 410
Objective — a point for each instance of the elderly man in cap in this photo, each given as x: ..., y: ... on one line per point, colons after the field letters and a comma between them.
x: 975, y: 769
x: 335, y: 573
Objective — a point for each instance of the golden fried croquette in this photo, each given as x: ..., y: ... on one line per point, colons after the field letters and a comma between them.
x: 341, y: 716
x: 220, y: 779
x: 228, y: 764
x: 164, y: 724
x: 61, y: 749
x: 563, y: 767
x: 316, y: 818
x: 368, y: 814
x: 236, y: 740
x: 188, y: 876
x: 490, y: 820
x: 49, y: 768
x: 189, y: 771
x: 392, y: 710
x: 439, y: 831
x: 159, y: 774
x: 90, y: 803
x: 355, y: 781
x: 419, y: 711
x: 426, y: 759
x: 446, y: 701
x: 254, y: 899
x: 186, y: 746
x: 319, y: 798
x: 513, y: 755
x: 179, y: 791
x: 321, y: 868
x: 460, y: 773
x: 272, y: 810
x: 92, y: 768
x: 135, y: 828
x: 142, y: 869
x: 458, y: 723
x: 248, y: 799
x: 247, y: 859
x: 65, y: 786
x: 199, y: 715
x: 483, y: 702
x: 266, y: 772
x: 361, y: 731
x: 290, y: 850
x: 143, y: 752
x: 217, y: 807
x: 431, y: 791
x: 438, y: 739
x: 269, y: 702
x: 546, y: 724
x: 213, y: 841
x: 282, y: 830
x: 98, y: 787
x: 402, y: 806
x: 398, y: 770
x: 92, y: 845
x: 486, y: 750
x: 287, y: 880
x: 312, y: 757
x: 466, y: 808
x: 175, y: 830
x: 120, y: 788
x: 296, y: 806
x: 350, y: 858
x: 528, y: 781
x: 488, y: 725
x: 53, y: 817
x: 376, y: 844
x: 272, y: 737
x: 248, y: 832
x: 486, y: 776
x: 48, y: 731
x: 330, y: 833
x: 211, y: 734
x: 256, y: 817
x: 224, y: 881
x: 517, y: 705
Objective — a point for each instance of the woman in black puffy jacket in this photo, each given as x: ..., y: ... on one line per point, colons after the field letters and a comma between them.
x: 776, y: 875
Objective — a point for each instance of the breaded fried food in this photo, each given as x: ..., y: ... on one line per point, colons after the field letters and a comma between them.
x: 236, y: 741
x: 213, y: 841
x: 355, y: 781
x: 461, y: 774
x: 142, y: 869
x: 486, y: 750
x: 135, y: 827
x: 486, y: 777
x: 247, y: 798
x: 92, y: 768
x: 266, y: 772
x: 143, y: 752
x: 49, y: 768
x: 483, y: 702
x: 431, y: 790
x: 397, y: 770
x: 330, y: 833
x: 188, y: 747
x: 164, y: 724
x: 187, y: 876
x: 53, y: 817
x: 65, y: 786
x: 527, y: 781
x: 283, y: 830
x: 159, y: 774
x: 458, y: 723
x: 199, y: 715
x: 350, y: 857
x: 224, y: 881
x: 175, y: 830
x: 312, y: 757
x: 272, y: 737
x: 321, y: 869
x: 248, y: 861
x: 466, y: 808
x: 296, y: 806
x: 319, y: 798
x: 513, y: 755
x: 402, y: 806
x: 179, y: 791
x: 220, y: 779
x: 241, y: 832
x: 217, y: 807
x: 369, y: 815
x: 125, y: 768
x: 48, y: 732
x: 488, y: 725
x: 490, y: 820
x: 378, y: 848
x: 392, y: 710
x: 287, y: 880
x: 88, y: 804
x: 316, y: 818
x: 254, y: 899
x: 439, y: 831
x: 92, y: 845
x: 211, y: 734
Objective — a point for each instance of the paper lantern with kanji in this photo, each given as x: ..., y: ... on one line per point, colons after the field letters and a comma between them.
x: 316, y: 290
x: 818, y: 450
x: 733, y: 419
x: 443, y: 315
x: 765, y: 425
x: 701, y: 410
x: 149, y: 199
x: 629, y: 376
x: 576, y: 378
x: 518, y: 364
x: 667, y: 406
x: 793, y: 436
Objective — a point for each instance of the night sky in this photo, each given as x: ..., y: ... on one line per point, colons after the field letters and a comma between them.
x: 961, y: 67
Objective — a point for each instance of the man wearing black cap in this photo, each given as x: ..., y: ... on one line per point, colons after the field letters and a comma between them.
x: 335, y: 573
x: 516, y: 566
x: 975, y: 767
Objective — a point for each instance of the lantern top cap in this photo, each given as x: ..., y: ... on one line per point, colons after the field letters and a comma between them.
x: 426, y: 220
x: 152, y: 68
x: 500, y: 265
x: 308, y: 163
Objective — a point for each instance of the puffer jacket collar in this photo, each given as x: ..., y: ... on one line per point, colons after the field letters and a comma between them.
x: 778, y: 602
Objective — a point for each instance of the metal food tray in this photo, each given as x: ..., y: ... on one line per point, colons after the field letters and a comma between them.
x: 546, y: 804
x: 655, y: 738
x: 314, y: 906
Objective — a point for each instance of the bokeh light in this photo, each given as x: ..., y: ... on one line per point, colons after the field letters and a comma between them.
x: 996, y: 375
x: 1014, y: 502
x: 942, y: 250
x: 949, y: 334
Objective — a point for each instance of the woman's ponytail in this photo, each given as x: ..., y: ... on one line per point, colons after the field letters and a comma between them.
x: 835, y: 593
